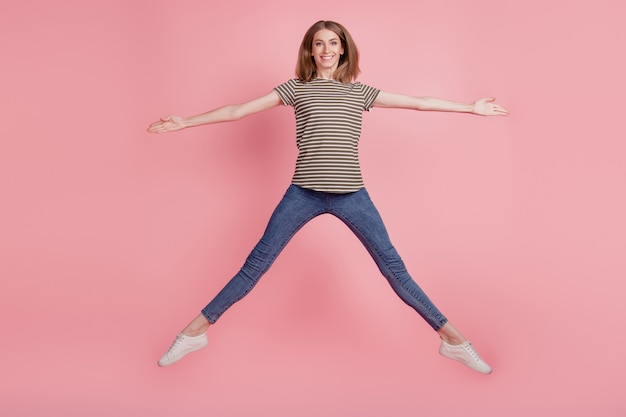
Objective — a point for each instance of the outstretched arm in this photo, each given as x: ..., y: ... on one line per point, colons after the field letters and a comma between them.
x: 484, y: 106
x: 227, y: 113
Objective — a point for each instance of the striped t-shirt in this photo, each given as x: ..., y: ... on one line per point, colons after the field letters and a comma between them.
x: 328, y: 127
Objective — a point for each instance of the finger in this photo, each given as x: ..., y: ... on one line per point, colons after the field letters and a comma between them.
x: 503, y: 110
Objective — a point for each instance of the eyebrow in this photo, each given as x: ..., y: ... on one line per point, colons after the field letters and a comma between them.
x: 321, y: 40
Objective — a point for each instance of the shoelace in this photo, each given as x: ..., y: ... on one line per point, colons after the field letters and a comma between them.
x: 472, y: 352
x: 175, y: 343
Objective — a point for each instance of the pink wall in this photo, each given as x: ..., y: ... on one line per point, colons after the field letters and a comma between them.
x: 111, y: 239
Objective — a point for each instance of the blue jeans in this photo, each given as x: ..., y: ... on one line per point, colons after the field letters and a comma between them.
x: 356, y: 210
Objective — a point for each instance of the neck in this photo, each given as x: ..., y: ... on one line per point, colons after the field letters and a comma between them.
x: 326, y: 74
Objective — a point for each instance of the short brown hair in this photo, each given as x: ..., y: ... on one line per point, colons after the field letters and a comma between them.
x: 348, y: 68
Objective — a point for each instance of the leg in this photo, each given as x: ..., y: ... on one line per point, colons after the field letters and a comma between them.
x: 197, y: 326
x: 449, y: 334
x: 359, y: 213
x: 295, y: 209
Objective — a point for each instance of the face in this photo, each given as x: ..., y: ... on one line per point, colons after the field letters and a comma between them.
x: 326, y: 50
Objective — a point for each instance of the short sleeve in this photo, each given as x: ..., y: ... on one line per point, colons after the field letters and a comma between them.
x: 286, y: 92
x: 369, y: 96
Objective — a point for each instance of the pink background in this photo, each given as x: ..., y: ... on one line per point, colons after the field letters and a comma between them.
x: 111, y: 239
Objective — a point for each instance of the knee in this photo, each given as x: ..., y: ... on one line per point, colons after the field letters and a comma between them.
x: 257, y: 263
x: 392, y: 261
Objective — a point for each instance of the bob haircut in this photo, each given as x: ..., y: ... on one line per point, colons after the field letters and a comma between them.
x: 348, y: 68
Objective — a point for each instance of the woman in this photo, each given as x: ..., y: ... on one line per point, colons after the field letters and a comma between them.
x: 328, y: 105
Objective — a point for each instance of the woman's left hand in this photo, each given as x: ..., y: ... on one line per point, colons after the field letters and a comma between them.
x: 486, y: 107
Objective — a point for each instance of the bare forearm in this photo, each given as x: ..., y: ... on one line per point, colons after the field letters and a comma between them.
x: 232, y: 112
x: 222, y: 114
x: 402, y: 101
x: 484, y: 106
x: 437, y: 104
x: 226, y: 113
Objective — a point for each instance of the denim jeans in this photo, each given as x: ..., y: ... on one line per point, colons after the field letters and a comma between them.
x: 356, y: 210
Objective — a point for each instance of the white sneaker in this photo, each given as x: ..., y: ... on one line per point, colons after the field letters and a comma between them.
x: 181, y: 346
x: 465, y: 354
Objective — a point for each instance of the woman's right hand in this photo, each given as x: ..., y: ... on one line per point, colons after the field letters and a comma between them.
x: 167, y: 124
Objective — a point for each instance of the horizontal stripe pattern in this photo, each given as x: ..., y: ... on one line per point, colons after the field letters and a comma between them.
x: 328, y: 127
